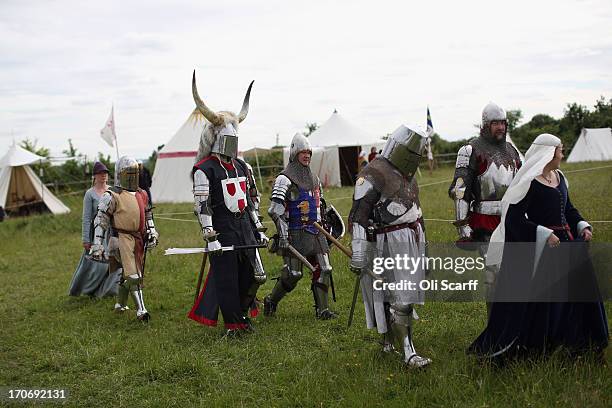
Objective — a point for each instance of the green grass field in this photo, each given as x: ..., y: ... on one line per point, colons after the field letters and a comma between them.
x: 49, y: 340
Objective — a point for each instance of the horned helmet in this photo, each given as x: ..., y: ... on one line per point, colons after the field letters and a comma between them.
x: 220, y: 134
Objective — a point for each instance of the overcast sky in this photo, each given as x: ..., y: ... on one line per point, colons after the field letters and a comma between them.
x: 63, y: 64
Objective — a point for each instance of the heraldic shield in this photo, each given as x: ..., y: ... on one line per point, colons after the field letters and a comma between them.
x: 234, y: 194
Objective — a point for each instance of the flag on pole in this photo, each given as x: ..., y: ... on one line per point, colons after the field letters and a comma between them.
x: 430, y: 128
x: 108, y: 131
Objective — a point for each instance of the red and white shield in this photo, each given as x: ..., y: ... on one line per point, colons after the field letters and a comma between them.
x: 234, y: 194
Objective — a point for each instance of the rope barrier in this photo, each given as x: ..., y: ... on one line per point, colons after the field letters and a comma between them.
x: 421, y: 186
x: 157, y: 217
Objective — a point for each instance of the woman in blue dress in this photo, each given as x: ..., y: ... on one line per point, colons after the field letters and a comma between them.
x: 92, y: 278
x: 546, y: 294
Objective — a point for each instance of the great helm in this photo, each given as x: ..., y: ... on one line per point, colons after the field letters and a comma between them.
x: 490, y: 113
x: 405, y: 148
x: 299, y: 143
x: 126, y: 173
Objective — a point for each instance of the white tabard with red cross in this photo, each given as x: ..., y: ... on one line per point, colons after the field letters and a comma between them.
x: 234, y: 194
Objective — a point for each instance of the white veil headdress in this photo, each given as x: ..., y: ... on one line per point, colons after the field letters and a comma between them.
x: 540, y: 153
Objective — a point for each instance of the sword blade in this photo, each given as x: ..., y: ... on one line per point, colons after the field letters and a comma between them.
x: 185, y: 251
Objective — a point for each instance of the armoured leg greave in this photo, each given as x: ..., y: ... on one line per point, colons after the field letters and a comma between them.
x: 122, y: 296
x: 387, y: 342
x: 259, y: 271
x: 290, y: 276
x: 401, y: 330
x: 137, y: 296
x: 320, y: 288
x: 259, y: 278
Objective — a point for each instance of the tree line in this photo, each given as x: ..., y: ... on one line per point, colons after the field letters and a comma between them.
x: 567, y: 128
x: 75, y: 173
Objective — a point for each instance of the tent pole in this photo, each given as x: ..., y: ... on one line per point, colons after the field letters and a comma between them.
x: 42, y: 186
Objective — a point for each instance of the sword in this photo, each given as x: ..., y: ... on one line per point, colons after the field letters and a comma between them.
x: 144, y: 261
x: 331, y: 283
x: 355, y: 292
x: 184, y: 251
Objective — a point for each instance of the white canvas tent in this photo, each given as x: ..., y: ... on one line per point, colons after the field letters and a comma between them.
x: 21, y: 188
x: 171, y: 177
x: 592, y: 145
x: 336, y: 145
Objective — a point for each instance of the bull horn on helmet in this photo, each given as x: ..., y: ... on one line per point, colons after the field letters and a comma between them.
x: 245, y: 104
x: 208, y: 114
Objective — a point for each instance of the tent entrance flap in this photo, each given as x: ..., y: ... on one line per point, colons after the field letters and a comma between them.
x: 348, y: 157
x: 23, y: 198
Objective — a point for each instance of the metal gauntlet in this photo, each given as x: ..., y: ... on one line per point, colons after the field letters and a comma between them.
x: 462, y: 209
x: 458, y: 192
x: 277, y: 213
x: 202, y: 208
x: 152, y: 234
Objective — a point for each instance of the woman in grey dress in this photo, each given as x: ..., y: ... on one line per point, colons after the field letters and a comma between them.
x: 92, y: 278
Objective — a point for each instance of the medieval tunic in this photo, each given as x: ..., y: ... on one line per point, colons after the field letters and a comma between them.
x: 487, y: 176
x: 127, y: 213
x: 393, y: 208
x: 92, y: 278
x: 303, y: 209
x: 539, y: 308
x: 231, y: 273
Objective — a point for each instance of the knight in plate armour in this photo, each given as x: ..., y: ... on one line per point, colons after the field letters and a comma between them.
x: 387, y: 222
x: 484, y: 170
x: 295, y: 205
x: 126, y: 208
x: 223, y: 190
